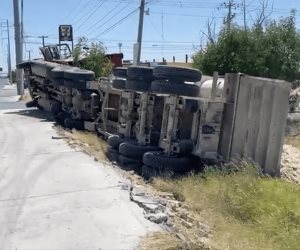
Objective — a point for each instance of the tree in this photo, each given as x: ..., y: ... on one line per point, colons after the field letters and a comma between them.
x: 92, y: 57
x: 272, y: 51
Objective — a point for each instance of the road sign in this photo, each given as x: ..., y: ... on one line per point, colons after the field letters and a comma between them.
x: 65, y: 33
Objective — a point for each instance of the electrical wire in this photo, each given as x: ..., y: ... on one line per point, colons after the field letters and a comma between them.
x: 117, y: 23
x: 112, y: 11
x: 91, y: 14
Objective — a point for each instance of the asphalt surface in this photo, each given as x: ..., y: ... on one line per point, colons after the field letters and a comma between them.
x: 9, y: 98
x: 55, y: 197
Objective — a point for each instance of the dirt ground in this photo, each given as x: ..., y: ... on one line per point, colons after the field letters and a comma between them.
x: 290, y: 162
x: 290, y: 159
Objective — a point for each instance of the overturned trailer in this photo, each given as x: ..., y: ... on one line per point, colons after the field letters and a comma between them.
x: 164, y: 119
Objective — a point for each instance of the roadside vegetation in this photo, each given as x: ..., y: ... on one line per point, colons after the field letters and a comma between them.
x: 268, y: 48
x: 245, y: 209
x: 91, y: 56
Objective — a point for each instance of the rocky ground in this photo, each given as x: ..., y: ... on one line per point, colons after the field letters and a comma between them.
x: 290, y: 159
x: 290, y: 162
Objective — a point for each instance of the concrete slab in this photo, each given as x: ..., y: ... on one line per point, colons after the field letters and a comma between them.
x: 54, y: 197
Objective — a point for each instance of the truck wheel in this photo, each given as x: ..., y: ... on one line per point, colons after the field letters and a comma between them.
x: 31, y: 104
x: 119, y: 84
x: 72, y: 84
x: 129, y: 164
x: 71, y: 123
x: 60, y: 117
x: 120, y: 72
x: 112, y: 154
x: 59, y: 72
x: 140, y: 73
x: 149, y: 172
x: 114, y: 141
x: 134, y: 150
x: 77, y: 74
x: 58, y: 81
x: 166, y: 87
x: 55, y: 108
x: 138, y: 85
x: 180, y: 73
x: 24, y: 65
x: 174, y: 163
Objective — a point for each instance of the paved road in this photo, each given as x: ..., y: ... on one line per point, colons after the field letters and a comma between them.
x: 54, y: 197
x: 9, y: 98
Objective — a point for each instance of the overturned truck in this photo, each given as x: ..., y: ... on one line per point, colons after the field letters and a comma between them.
x: 163, y: 120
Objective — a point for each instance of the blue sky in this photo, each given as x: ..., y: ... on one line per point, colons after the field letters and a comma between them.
x: 172, y: 28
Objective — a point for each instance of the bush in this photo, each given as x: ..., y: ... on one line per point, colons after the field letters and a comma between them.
x: 93, y: 59
x: 273, y: 51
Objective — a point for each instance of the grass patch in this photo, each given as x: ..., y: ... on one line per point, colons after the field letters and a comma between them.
x: 245, y: 210
x: 91, y: 142
x: 161, y: 241
x: 25, y: 98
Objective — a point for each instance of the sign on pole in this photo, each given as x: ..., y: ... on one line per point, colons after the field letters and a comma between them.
x: 65, y: 33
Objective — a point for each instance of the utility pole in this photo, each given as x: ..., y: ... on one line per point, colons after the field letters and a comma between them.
x: 245, y: 21
x: 43, y: 39
x: 138, y: 46
x: 19, y: 47
x: 6, y: 25
x: 230, y: 6
x: 29, y: 54
x: 8, y: 53
x: 120, y: 47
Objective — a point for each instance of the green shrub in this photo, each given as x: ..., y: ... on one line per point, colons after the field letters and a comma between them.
x: 93, y: 59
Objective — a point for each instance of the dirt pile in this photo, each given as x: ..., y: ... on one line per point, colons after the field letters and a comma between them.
x: 290, y: 164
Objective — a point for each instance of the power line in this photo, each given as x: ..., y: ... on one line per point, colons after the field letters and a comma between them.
x: 77, y: 4
x: 81, y: 11
x: 91, y: 14
x: 113, y: 10
x: 117, y: 23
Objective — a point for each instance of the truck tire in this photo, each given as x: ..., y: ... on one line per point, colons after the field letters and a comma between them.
x: 60, y: 117
x: 149, y: 172
x: 159, y: 160
x: 31, y: 104
x: 77, y: 74
x: 166, y: 87
x: 138, y: 85
x: 75, y: 84
x: 140, y: 73
x: 133, y: 150
x: 55, y: 108
x: 129, y: 164
x: 178, y: 73
x: 119, y: 84
x: 24, y: 65
x: 112, y: 154
x: 71, y: 123
x: 59, y: 72
x: 114, y: 141
x: 120, y: 72
x: 58, y: 81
